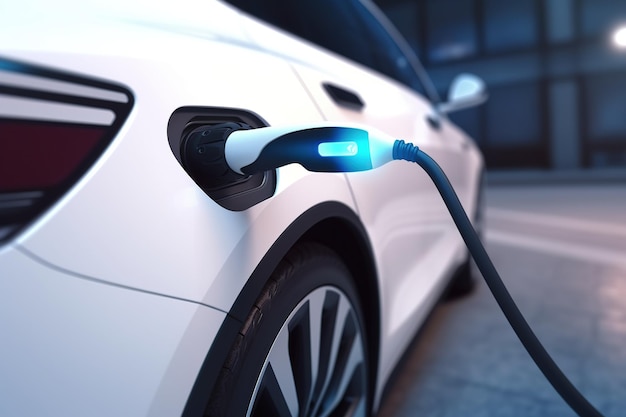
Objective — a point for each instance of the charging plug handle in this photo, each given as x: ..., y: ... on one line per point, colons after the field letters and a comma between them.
x: 320, y: 149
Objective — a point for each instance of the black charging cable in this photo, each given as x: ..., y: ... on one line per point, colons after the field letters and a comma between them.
x: 569, y: 393
x: 238, y: 150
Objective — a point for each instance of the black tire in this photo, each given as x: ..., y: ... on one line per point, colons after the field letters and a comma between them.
x: 463, y: 282
x: 306, y: 330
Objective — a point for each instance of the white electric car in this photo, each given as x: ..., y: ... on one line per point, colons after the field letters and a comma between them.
x: 129, y: 288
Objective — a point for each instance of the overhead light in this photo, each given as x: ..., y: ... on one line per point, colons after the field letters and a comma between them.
x: 619, y: 37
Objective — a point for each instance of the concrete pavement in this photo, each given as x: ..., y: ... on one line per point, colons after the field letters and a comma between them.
x: 561, y: 250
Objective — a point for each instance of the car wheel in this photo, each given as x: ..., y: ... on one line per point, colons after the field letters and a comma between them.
x: 302, y: 350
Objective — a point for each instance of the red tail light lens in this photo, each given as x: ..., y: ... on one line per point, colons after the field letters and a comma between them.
x: 53, y: 126
x: 35, y: 156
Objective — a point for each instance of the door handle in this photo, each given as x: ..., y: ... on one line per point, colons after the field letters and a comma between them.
x: 344, y: 97
x: 434, y: 121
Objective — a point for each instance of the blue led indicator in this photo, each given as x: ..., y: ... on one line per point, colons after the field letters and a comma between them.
x: 338, y: 149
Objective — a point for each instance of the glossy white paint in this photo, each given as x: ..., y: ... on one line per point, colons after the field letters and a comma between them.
x: 414, y: 239
x: 143, y: 196
x: 74, y: 346
x: 135, y: 262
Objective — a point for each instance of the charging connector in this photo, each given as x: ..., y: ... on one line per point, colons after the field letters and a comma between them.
x: 202, y: 155
x: 331, y: 148
x: 318, y: 147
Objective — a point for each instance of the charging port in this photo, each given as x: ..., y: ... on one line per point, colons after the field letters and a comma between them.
x: 197, y: 136
x: 202, y: 155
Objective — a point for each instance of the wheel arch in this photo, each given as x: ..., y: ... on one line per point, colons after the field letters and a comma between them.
x: 332, y: 224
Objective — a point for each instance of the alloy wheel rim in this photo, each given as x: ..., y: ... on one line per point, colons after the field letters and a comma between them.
x: 316, y: 364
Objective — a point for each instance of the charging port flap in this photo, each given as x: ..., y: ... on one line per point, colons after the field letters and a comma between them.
x: 197, y: 136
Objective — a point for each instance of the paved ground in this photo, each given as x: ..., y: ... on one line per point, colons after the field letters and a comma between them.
x: 562, y: 252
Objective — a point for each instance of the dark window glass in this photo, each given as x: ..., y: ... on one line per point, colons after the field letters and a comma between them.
x: 451, y: 26
x: 405, y: 16
x: 345, y: 27
x: 514, y: 116
x: 605, y: 108
x: 510, y: 24
x: 601, y: 17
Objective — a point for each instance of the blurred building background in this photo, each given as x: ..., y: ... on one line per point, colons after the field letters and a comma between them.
x: 556, y: 79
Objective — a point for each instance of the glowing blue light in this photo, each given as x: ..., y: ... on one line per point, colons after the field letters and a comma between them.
x: 335, y: 149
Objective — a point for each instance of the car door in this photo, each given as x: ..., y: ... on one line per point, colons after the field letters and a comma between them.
x: 414, y: 239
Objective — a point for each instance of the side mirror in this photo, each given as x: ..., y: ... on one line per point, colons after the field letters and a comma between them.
x: 466, y: 90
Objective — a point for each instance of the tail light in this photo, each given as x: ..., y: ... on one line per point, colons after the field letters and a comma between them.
x: 53, y: 126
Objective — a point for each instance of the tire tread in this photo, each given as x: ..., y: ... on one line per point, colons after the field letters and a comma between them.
x: 297, y: 257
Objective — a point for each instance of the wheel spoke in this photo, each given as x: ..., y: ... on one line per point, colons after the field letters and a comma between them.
x: 338, y: 309
x: 316, y: 365
x: 349, y: 399
x: 352, y: 368
x: 328, y: 320
x: 283, y: 371
x: 270, y: 400
x: 350, y: 358
x: 300, y: 355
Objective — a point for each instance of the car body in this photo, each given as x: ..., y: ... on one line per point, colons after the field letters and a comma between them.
x: 124, y: 285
